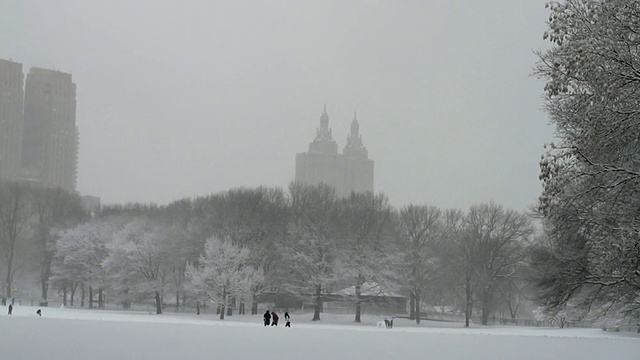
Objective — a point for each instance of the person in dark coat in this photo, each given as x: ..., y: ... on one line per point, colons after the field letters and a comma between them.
x: 274, y: 319
x: 39, y: 312
x: 287, y: 320
x: 10, y: 309
x: 267, y: 318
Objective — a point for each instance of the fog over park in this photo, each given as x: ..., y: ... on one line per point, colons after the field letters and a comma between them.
x: 184, y: 233
x: 180, y: 99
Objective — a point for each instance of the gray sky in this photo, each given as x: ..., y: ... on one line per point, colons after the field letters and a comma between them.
x: 186, y: 98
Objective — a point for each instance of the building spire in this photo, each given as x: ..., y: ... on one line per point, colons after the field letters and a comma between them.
x: 324, y: 130
x: 354, y: 147
x: 324, y: 143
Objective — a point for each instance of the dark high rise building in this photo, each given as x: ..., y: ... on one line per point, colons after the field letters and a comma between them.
x: 11, y: 107
x: 50, y: 136
x: 351, y: 171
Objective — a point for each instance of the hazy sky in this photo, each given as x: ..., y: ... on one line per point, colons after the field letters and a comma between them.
x: 186, y: 98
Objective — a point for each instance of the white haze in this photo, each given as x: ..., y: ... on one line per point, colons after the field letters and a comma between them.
x: 178, y: 99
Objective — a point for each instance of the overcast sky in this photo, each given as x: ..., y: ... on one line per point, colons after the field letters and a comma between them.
x: 187, y: 98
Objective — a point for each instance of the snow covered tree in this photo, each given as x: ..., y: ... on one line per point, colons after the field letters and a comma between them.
x: 79, y: 254
x: 137, y: 259
x: 223, y: 272
x: 591, y: 175
x: 311, y: 251
x: 419, y: 234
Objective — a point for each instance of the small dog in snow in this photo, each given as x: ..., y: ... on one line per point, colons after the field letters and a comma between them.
x: 386, y: 323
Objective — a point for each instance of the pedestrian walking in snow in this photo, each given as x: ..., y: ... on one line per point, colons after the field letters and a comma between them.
x: 10, y: 309
x: 39, y: 312
x: 267, y: 318
x: 287, y: 320
x: 274, y: 319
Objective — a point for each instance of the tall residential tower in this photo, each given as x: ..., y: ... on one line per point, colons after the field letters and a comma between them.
x: 11, y: 107
x: 50, y: 136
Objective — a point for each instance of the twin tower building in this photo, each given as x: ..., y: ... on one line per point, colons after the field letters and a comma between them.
x: 38, y: 133
x: 351, y: 171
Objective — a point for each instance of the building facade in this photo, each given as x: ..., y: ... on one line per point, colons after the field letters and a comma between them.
x: 351, y: 171
x: 11, y: 115
x: 50, y: 135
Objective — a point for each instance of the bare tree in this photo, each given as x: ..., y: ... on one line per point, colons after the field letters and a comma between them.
x: 365, y: 220
x: 15, y: 211
x: 484, y: 248
x: 498, y: 241
x: 311, y: 251
x: 56, y: 209
x: 419, y: 229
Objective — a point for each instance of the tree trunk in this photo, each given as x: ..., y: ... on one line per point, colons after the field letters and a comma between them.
x: 10, y: 271
x: 64, y: 295
x: 44, y: 283
x: 90, y: 297
x: 241, y: 308
x: 45, y: 272
x: 254, y: 305
x: 224, y: 303
x: 73, y: 293
x: 358, y: 294
x: 100, y: 298
x: 158, y: 303
x: 232, y: 303
x: 412, y: 306
x: 469, y: 302
x: 417, y: 308
x: 513, y: 310
x: 486, y: 305
x: 197, y: 307
x: 82, y: 295
x: 177, y: 300
x: 316, y: 311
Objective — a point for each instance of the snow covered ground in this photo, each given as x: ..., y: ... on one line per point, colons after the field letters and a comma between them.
x: 95, y: 334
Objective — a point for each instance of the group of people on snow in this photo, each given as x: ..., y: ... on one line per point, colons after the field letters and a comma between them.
x: 272, y: 318
x: 38, y: 312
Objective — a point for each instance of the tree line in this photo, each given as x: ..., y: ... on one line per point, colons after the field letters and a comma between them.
x: 231, y: 247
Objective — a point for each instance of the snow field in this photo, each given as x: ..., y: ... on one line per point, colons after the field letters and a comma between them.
x: 96, y: 335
